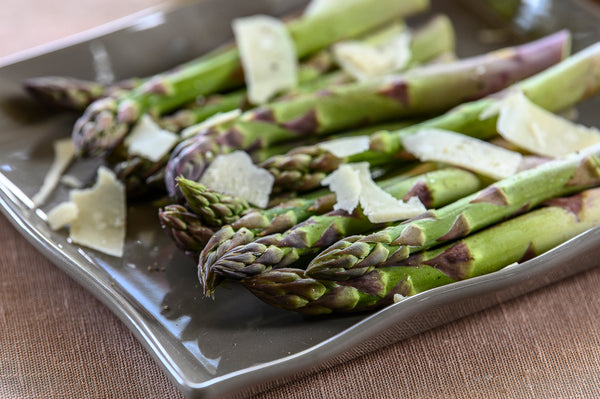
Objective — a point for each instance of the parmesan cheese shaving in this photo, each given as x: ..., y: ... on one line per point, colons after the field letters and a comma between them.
x: 268, y: 56
x: 217, y: 119
x: 399, y: 298
x: 365, y: 61
x: 148, y: 140
x: 64, y: 152
x: 539, y: 131
x: 353, y: 185
x: 62, y: 214
x: 380, y: 206
x: 460, y: 150
x: 236, y: 174
x: 346, y: 146
x: 345, y: 183
x: 100, y: 221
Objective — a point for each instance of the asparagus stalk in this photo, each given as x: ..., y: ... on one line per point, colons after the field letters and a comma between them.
x: 358, y: 255
x: 185, y: 228
x: 413, y: 94
x: 71, y: 93
x: 558, y: 88
x: 308, y: 71
x: 429, y: 41
x: 107, y: 121
x: 281, y: 250
x: 213, y: 208
x: 516, y: 240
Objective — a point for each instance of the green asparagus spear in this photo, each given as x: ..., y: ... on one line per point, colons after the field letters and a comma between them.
x: 416, y: 93
x: 516, y: 240
x: 558, y: 88
x: 431, y: 40
x: 205, y: 107
x: 185, y: 228
x: 213, y: 208
x: 359, y: 255
x: 71, y: 93
x: 107, y: 121
x: 281, y: 250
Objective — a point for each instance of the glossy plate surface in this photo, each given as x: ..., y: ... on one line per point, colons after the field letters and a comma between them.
x: 235, y: 344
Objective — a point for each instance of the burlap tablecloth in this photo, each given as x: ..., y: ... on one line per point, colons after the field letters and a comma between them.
x: 57, y: 341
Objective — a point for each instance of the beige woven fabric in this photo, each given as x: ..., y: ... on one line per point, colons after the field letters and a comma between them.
x: 57, y: 341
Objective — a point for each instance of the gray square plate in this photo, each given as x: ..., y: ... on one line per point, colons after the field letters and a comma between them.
x: 235, y: 344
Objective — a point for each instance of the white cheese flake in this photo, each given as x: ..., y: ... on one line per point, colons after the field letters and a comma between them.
x: 100, y: 223
x: 217, y: 119
x: 353, y: 185
x: 380, y: 206
x: 64, y: 151
x: 148, y: 140
x: 62, y: 215
x: 268, y: 56
x: 345, y: 183
x: 539, y: 131
x: 365, y: 61
x: 399, y: 298
x: 236, y: 174
x: 346, y: 146
x: 457, y: 149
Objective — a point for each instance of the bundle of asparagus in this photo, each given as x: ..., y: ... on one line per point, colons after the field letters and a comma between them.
x: 427, y: 42
x: 304, y: 251
x: 106, y: 122
x: 516, y: 240
x: 346, y: 106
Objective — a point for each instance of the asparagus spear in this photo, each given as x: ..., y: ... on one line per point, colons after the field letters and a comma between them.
x: 213, y: 208
x: 429, y: 41
x: 185, y: 228
x: 71, y: 93
x: 281, y: 250
x: 558, y: 88
x: 205, y: 107
x: 516, y: 240
x: 416, y: 93
x: 359, y: 255
x: 107, y: 121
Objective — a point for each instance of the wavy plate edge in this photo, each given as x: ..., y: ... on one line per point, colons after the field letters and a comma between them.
x: 397, y: 322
